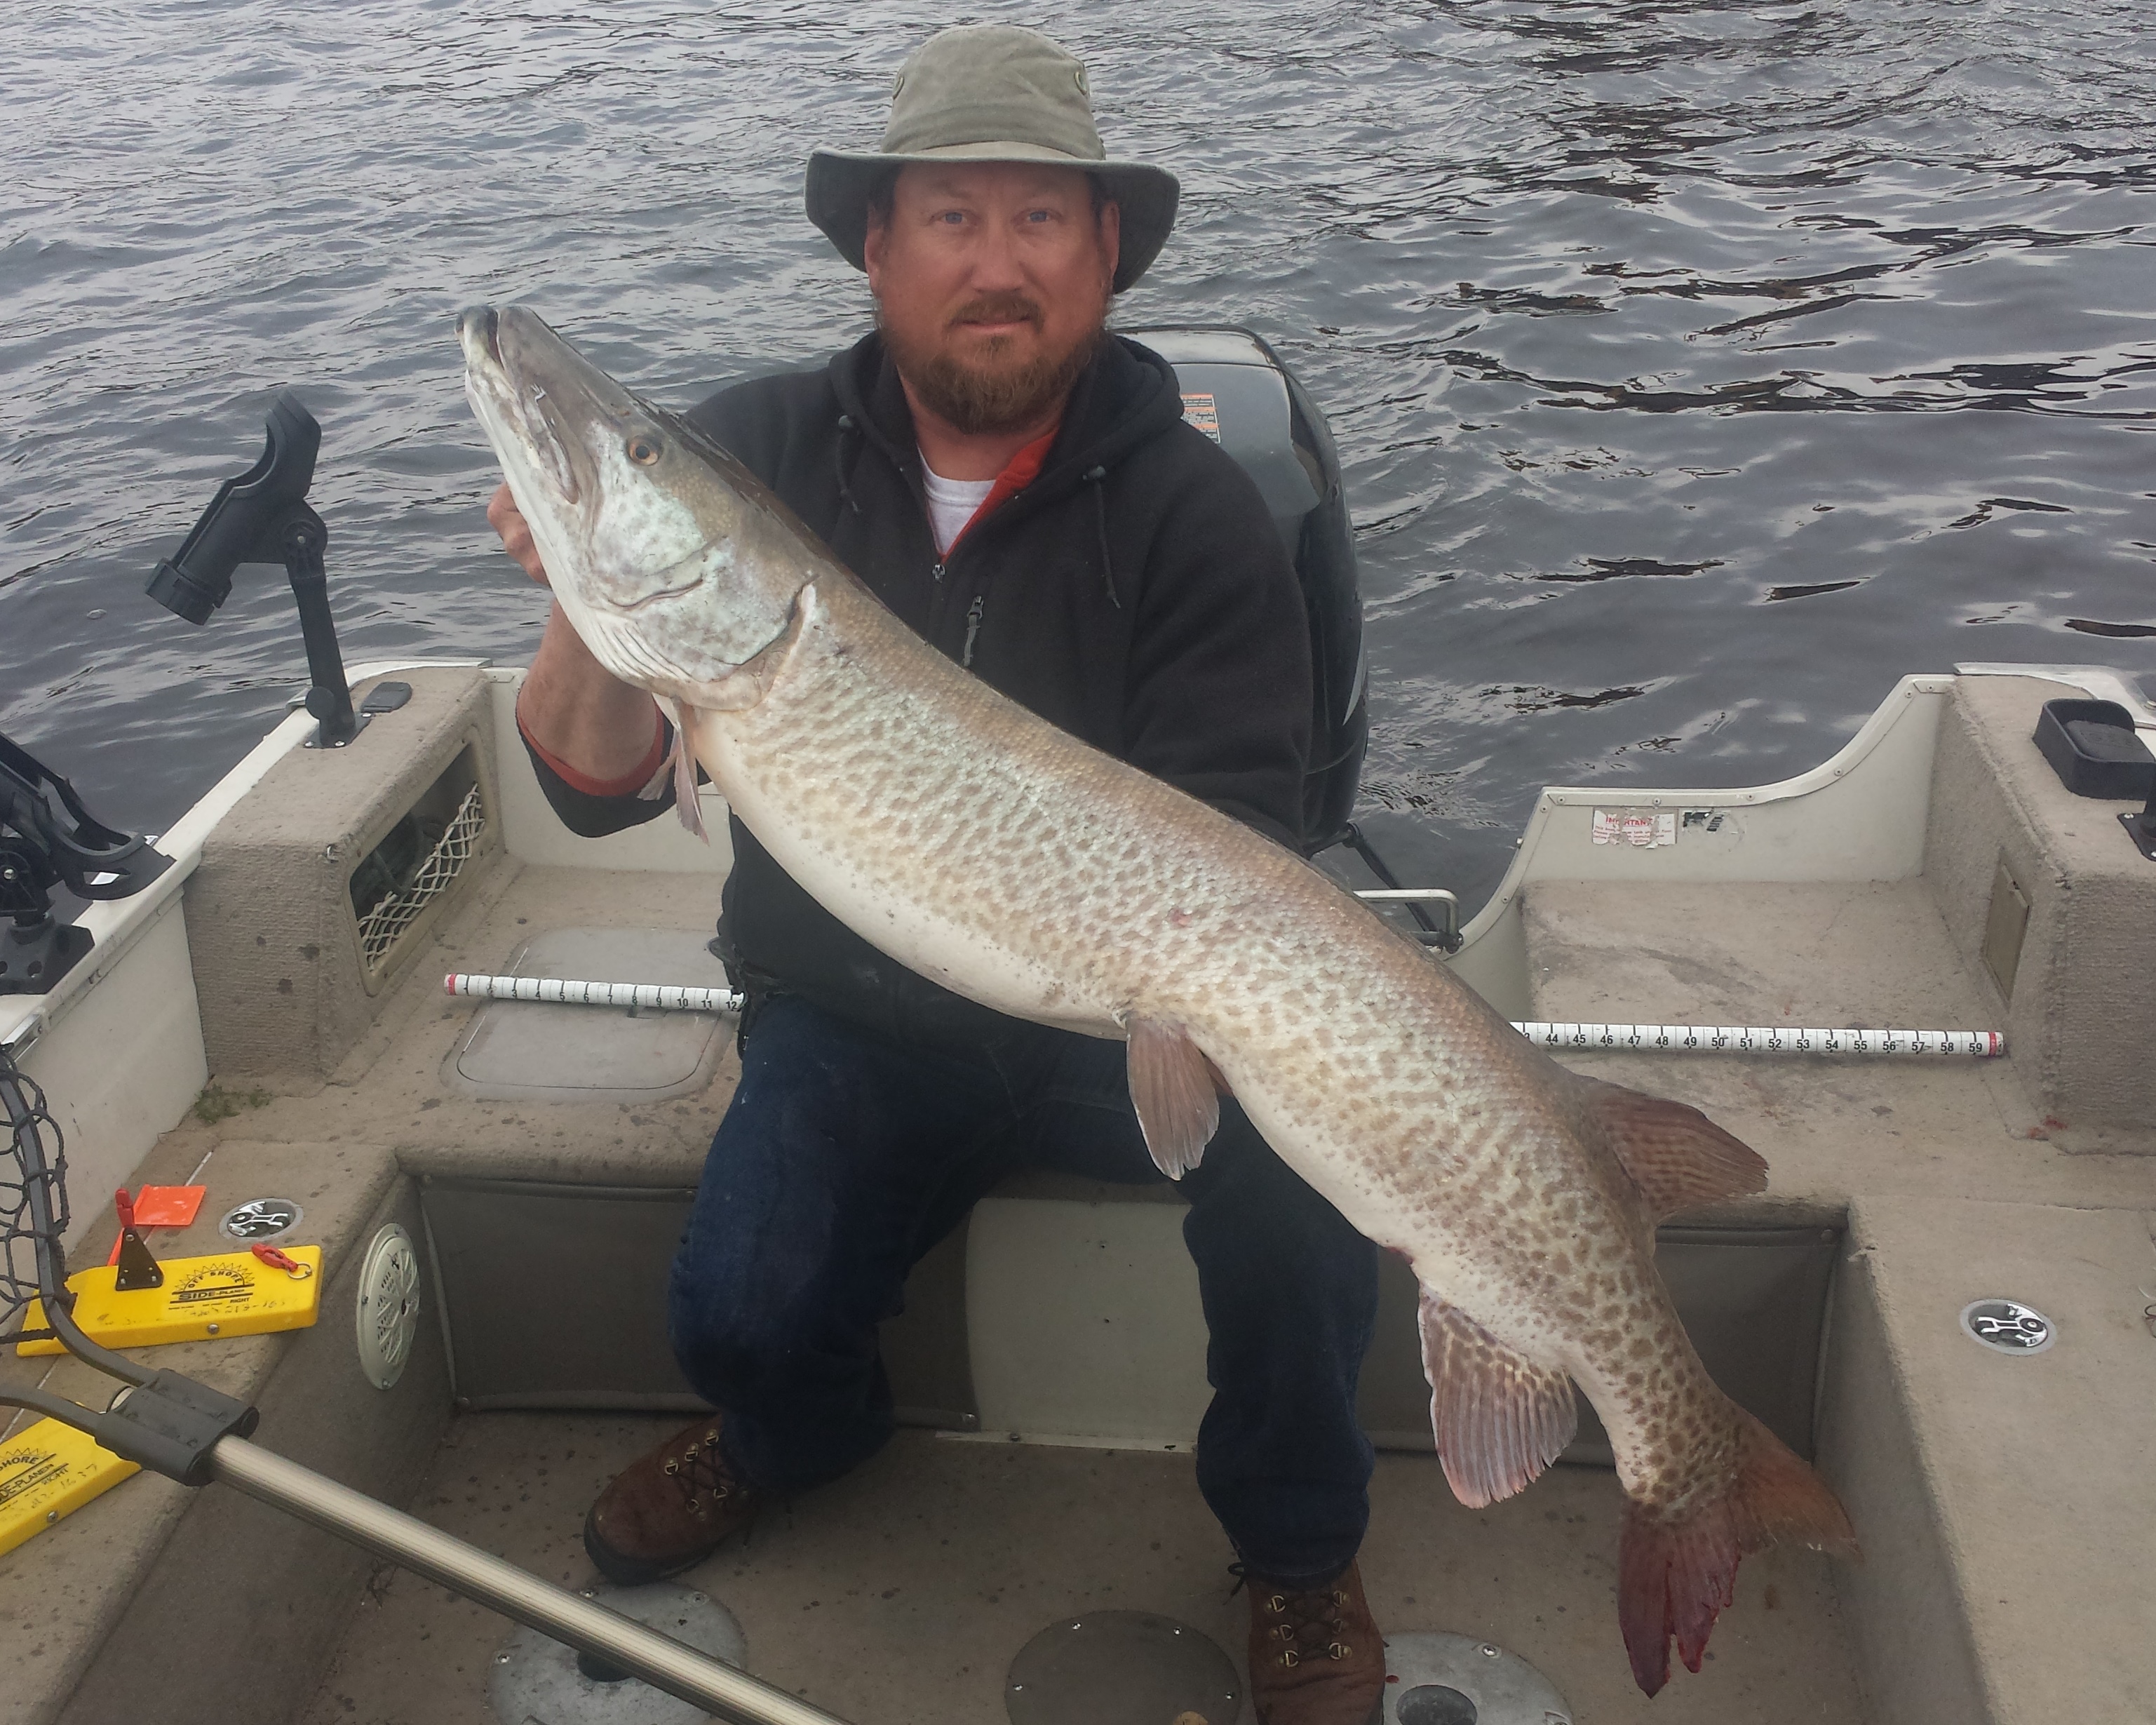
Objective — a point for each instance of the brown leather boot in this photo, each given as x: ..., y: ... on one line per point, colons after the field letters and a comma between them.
x: 668, y: 1510
x: 1315, y: 1656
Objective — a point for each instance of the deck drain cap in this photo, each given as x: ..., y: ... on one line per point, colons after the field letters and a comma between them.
x: 536, y: 1678
x: 388, y: 1315
x: 2008, y: 1326
x: 1455, y: 1679
x: 1120, y: 1665
x: 260, y: 1219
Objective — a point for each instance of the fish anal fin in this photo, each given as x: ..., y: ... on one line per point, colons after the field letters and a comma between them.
x: 1173, y: 1090
x: 684, y: 762
x: 1499, y: 1418
x: 1677, y: 1157
x: 1676, y: 1573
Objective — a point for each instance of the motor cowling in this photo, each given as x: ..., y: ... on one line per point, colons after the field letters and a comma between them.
x: 1239, y: 393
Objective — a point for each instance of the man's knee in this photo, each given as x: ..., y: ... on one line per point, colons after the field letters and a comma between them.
x: 749, y: 1302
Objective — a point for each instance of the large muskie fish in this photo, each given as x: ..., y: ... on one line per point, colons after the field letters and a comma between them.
x: 986, y: 848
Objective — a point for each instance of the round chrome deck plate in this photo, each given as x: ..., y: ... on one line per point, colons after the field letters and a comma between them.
x: 1454, y: 1680
x: 1121, y: 1665
x: 535, y: 1677
x: 2008, y: 1326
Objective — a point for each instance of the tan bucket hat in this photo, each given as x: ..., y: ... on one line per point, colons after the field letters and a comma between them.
x: 992, y: 92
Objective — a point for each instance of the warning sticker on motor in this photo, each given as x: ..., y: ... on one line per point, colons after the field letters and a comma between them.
x: 1646, y: 828
x: 1199, y: 411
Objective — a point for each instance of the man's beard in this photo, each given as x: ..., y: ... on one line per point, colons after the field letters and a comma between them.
x: 997, y: 395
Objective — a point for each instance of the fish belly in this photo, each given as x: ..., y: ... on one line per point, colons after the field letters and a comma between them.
x: 997, y: 856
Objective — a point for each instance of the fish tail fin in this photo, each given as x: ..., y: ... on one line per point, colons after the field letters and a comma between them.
x: 1676, y: 1573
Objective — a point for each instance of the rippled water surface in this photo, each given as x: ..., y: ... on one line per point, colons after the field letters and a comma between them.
x: 1698, y: 369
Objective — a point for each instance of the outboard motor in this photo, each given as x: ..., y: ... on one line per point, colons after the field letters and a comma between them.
x: 1237, y: 391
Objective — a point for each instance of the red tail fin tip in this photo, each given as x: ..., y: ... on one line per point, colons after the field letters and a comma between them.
x: 1675, y: 1574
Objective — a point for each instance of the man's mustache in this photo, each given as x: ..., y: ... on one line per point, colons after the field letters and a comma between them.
x: 999, y: 308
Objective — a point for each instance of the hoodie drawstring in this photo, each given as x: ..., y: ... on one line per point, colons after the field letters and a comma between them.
x: 1095, y: 477
x: 847, y: 431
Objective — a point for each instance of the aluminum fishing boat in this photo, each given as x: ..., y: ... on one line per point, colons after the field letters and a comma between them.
x: 1947, y: 1297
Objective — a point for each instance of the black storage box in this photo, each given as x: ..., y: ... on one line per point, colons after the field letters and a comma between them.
x: 2093, y: 746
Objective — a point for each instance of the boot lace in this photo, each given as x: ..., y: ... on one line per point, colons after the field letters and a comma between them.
x: 701, y: 1474
x: 1303, y: 1624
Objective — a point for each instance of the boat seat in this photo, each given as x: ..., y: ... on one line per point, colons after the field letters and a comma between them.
x: 1063, y: 1309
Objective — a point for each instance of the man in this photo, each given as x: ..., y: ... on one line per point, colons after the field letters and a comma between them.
x: 1020, y: 489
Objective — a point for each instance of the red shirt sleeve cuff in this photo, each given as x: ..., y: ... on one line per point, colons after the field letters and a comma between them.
x: 653, y: 758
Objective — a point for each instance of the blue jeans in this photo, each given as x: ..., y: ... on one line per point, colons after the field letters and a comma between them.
x: 845, y: 1157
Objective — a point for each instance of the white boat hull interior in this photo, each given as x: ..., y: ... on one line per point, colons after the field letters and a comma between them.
x: 1933, y: 872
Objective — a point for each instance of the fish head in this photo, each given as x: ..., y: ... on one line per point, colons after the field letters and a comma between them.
x: 671, y: 559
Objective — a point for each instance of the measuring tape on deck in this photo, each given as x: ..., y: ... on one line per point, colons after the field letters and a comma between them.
x: 1757, y: 1039
x: 641, y: 997
x: 1586, y: 1039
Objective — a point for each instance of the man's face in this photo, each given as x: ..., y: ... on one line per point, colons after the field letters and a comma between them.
x: 992, y: 285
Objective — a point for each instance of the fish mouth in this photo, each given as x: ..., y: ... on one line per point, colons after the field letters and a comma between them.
x: 503, y: 350
x: 479, y: 332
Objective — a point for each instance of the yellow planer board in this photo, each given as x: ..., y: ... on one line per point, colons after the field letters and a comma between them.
x: 230, y: 1294
x: 50, y: 1469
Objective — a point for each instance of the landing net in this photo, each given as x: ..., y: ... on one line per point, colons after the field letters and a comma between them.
x: 36, y: 1163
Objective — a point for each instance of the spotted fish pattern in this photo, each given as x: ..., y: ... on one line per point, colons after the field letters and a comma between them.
x: 989, y: 850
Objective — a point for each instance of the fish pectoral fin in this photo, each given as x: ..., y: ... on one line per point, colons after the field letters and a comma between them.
x: 1499, y: 1418
x: 1677, y: 1157
x: 1171, y: 1088
x: 683, y: 761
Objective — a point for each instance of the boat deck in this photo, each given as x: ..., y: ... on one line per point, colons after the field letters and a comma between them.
x: 900, y: 1595
x: 1997, y: 1497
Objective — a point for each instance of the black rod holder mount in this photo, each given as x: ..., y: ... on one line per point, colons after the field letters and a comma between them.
x: 263, y: 516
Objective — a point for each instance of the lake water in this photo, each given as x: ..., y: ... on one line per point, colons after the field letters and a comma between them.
x: 1698, y: 369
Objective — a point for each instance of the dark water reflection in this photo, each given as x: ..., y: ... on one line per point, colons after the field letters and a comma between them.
x: 1699, y: 369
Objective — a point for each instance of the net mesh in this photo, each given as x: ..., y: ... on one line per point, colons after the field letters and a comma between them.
x: 37, y: 1157
x: 379, y: 928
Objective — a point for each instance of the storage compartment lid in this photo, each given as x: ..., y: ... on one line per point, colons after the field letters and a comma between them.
x: 530, y: 1051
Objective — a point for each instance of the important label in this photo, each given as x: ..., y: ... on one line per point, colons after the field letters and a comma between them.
x: 1646, y: 827
x: 230, y: 1294
x: 48, y: 1470
x: 1200, y: 412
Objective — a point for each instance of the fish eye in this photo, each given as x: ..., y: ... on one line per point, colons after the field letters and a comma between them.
x: 643, y: 450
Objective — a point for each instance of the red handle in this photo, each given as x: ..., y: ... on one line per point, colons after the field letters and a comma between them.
x: 125, y: 1206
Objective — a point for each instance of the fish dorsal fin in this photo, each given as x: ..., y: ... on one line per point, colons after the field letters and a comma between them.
x: 1171, y: 1088
x: 1499, y: 1418
x: 1677, y: 1157
x: 684, y: 758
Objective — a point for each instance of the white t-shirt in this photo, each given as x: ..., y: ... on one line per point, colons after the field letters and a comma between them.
x: 951, y: 503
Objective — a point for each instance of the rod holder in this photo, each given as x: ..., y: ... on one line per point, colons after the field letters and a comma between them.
x: 263, y: 516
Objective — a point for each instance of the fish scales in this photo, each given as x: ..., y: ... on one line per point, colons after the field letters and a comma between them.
x: 1059, y: 885
x: 976, y: 843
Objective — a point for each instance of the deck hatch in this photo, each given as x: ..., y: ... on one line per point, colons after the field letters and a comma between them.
x: 533, y: 1051
x: 2004, y: 927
